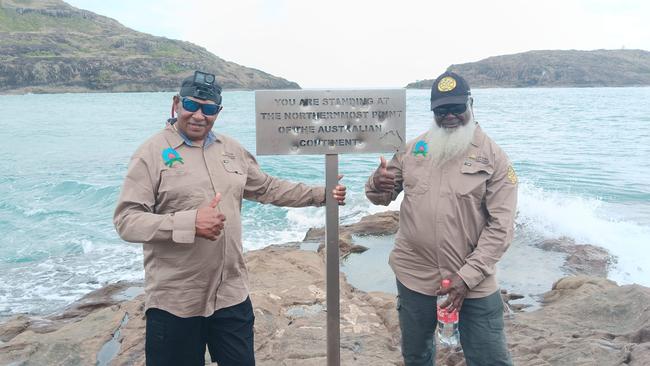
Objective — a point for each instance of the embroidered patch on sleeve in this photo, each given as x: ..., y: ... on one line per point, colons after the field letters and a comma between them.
x: 512, y: 176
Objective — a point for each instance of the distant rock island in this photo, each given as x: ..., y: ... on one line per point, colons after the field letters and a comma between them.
x: 555, y: 69
x: 48, y: 46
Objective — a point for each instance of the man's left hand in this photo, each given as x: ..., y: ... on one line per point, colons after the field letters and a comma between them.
x: 339, y: 192
x: 457, y: 291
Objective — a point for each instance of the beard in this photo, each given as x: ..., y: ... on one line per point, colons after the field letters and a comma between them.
x: 446, y: 144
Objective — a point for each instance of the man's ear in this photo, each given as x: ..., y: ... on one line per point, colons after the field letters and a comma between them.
x: 219, y: 111
x: 175, y: 101
x: 471, y: 105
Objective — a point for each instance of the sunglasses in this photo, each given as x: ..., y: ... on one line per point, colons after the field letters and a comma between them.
x: 444, y: 110
x: 193, y: 106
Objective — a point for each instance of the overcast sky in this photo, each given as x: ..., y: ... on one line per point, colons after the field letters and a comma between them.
x: 360, y: 43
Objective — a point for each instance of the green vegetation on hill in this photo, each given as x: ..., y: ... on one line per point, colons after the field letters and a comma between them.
x: 50, y: 46
x: 555, y: 68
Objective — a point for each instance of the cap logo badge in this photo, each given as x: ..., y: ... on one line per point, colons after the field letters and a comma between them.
x: 171, y: 156
x: 446, y: 84
x: 421, y: 147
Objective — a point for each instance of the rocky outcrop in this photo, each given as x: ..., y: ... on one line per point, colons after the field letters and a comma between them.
x: 382, y: 223
x: 583, y: 320
x: 555, y: 68
x: 584, y: 259
x: 289, y: 297
x: 288, y: 293
x: 49, y: 46
x: 346, y: 247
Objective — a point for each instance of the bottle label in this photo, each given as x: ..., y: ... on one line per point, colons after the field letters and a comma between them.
x: 446, y: 316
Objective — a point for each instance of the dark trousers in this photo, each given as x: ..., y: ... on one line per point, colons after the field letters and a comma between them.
x: 174, y: 341
x: 480, y: 325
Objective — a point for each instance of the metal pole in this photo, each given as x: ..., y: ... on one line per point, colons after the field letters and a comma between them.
x: 332, y: 245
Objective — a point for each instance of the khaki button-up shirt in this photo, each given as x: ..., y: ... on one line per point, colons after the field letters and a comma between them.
x: 454, y: 218
x: 188, y: 275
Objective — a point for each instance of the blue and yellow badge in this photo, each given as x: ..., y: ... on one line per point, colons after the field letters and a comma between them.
x: 171, y: 156
x: 421, y: 147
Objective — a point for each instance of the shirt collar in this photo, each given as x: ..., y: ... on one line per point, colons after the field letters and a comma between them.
x: 479, y: 135
x: 178, y: 137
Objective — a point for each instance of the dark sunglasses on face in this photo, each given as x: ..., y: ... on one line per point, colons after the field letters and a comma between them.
x: 455, y: 109
x: 193, y: 106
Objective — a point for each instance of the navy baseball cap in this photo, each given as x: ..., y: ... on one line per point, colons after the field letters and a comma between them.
x: 201, y: 85
x: 449, y: 88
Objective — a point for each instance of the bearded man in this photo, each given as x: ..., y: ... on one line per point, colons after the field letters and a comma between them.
x: 456, y: 221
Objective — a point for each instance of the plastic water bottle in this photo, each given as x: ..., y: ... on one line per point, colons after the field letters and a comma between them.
x: 447, y: 330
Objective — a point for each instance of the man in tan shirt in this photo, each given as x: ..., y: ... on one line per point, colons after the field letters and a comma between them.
x: 182, y: 198
x: 456, y: 221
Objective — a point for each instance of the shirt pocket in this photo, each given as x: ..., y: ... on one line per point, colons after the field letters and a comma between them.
x: 235, y: 177
x: 171, y: 179
x: 472, y: 184
x: 173, y: 172
x: 232, y: 166
x: 177, y: 191
x: 416, y: 174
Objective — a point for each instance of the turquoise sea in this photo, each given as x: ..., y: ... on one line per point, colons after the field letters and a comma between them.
x: 582, y: 157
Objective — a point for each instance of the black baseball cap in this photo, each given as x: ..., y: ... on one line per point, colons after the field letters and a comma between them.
x: 201, y: 85
x: 449, y: 88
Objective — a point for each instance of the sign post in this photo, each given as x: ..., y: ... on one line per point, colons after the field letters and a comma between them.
x: 330, y: 122
x: 332, y: 261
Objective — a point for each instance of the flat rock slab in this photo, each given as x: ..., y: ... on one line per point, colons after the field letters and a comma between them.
x: 288, y: 292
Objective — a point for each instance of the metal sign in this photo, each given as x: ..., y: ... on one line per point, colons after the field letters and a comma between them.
x: 330, y: 121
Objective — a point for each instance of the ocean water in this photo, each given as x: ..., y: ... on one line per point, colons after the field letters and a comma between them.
x: 582, y: 157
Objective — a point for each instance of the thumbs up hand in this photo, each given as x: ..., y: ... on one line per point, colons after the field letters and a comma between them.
x: 209, y: 221
x: 339, y: 192
x: 384, y: 180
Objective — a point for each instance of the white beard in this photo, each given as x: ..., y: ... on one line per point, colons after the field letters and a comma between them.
x: 446, y: 144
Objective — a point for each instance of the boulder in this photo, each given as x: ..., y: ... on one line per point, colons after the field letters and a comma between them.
x: 383, y: 223
x: 584, y: 321
x: 582, y: 259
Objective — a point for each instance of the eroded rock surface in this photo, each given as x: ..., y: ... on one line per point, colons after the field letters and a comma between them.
x: 583, y: 320
x: 582, y: 259
x: 383, y: 223
x: 288, y: 294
